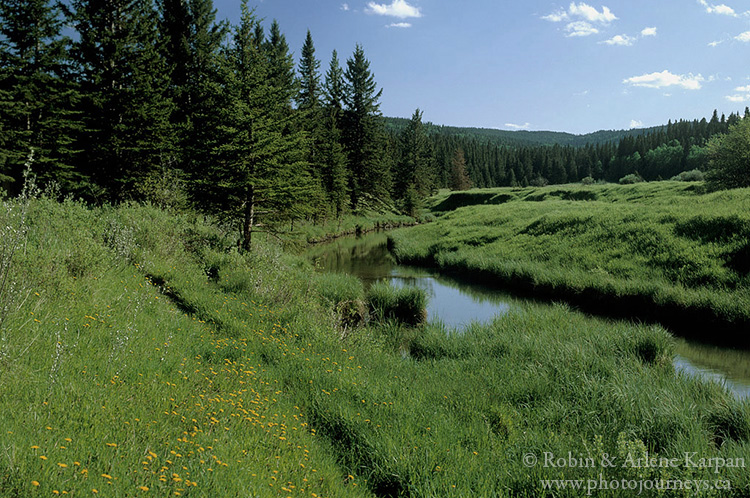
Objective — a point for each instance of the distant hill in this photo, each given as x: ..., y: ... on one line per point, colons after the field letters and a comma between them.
x: 524, y: 138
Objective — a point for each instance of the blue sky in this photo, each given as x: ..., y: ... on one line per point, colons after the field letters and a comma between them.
x: 533, y: 64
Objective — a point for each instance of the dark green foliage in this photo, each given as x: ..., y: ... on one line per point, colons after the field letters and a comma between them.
x: 363, y: 133
x: 309, y: 81
x: 413, y: 172
x: 192, y: 42
x: 259, y: 176
x: 730, y: 157
x: 37, y: 95
x: 126, y: 104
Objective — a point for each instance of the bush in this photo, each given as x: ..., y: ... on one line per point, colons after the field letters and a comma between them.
x: 694, y: 175
x: 588, y: 181
x: 406, y: 304
x: 631, y: 179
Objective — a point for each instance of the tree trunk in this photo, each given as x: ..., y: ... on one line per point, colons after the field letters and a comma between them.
x: 249, y: 223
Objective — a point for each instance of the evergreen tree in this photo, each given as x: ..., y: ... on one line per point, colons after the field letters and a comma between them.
x: 37, y: 95
x: 258, y: 177
x: 459, y: 176
x: 333, y: 87
x: 414, y: 167
x: 363, y: 131
x: 192, y: 39
x: 309, y: 94
x: 281, y: 68
x: 125, y: 82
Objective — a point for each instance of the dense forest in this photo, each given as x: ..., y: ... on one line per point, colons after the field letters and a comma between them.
x: 134, y: 100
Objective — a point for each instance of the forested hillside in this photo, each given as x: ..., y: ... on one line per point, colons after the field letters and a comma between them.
x: 159, y: 101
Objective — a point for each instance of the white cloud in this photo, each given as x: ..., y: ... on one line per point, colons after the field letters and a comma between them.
x: 344, y: 6
x: 715, y: 43
x: 524, y: 126
x: 738, y: 98
x: 580, y: 28
x: 724, y: 10
x: 648, y: 32
x: 743, y: 37
x: 721, y: 9
x: 591, y: 14
x: 397, y: 8
x: 399, y: 25
x: 636, y: 124
x: 666, y: 79
x: 742, y: 89
x: 557, y: 16
x: 623, y: 40
x: 582, y: 12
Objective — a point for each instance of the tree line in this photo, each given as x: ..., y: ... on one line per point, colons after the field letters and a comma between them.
x: 157, y: 100
x: 661, y: 153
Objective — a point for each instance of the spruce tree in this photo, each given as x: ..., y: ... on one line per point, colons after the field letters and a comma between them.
x: 363, y: 132
x: 37, y: 95
x: 193, y: 39
x: 414, y: 167
x: 258, y: 176
x: 308, y: 97
x: 459, y: 176
x: 125, y: 83
x: 334, y: 85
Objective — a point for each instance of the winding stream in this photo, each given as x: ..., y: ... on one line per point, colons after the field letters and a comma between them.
x: 457, y: 303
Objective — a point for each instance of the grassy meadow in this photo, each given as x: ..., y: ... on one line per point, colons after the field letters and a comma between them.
x: 142, y: 355
x: 660, y: 250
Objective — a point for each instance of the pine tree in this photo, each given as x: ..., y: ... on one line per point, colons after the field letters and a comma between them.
x: 37, y: 95
x: 125, y: 84
x: 258, y: 176
x: 363, y: 132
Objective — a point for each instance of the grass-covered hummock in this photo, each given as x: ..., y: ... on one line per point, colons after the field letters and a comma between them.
x: 656, y: 250
x: 140, y: 355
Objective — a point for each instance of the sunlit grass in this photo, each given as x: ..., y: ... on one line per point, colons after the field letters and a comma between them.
x: 148, y: 358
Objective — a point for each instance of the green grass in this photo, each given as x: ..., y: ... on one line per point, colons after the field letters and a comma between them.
x: 140, y: 355
x: 656, y: 249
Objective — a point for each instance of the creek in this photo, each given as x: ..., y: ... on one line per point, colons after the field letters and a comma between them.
x: 458, y: 302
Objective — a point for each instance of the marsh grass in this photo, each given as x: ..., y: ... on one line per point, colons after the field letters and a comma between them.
x: 141, y: 375
x: 657, y: 250
x: 406, y: 305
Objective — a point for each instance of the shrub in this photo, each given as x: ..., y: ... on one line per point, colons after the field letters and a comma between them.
x: 588, y: 181
x: 405, y: 304
x: 694, y: 175
x: 631, y: 179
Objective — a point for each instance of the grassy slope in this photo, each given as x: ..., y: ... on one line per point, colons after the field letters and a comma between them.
x: 125, y: 369
x: 657, y: 249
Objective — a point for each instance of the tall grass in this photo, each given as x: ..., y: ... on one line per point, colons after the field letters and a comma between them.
x: 661, y: 250
x: 153, y: 359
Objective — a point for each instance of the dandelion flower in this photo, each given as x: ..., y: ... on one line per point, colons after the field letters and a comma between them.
x: 35, y: 483
x: 43, y: 457
x: 143, y: 488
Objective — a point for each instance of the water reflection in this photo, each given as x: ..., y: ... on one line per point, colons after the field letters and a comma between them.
x: 454, y: 303
x: 726, y: 366
x: 457, y: 303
